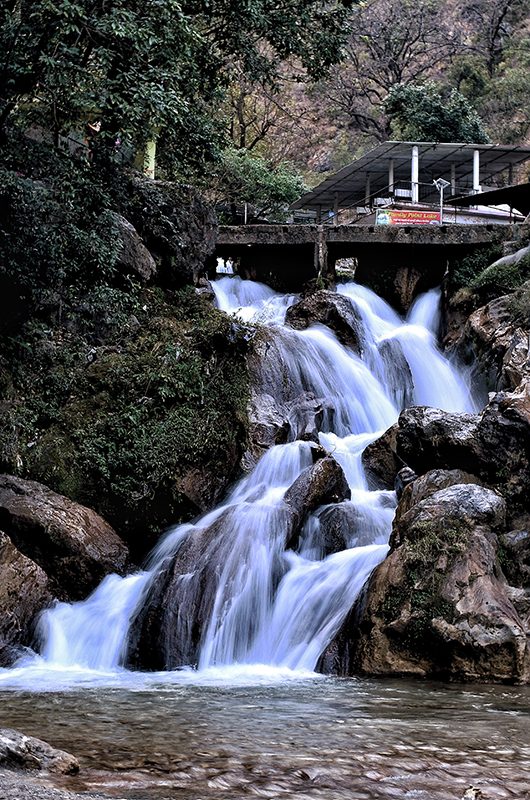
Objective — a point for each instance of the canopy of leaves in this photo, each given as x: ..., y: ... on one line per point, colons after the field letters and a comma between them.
x: 244, y: 177
x: 145, y: 66
x: 423, y: 114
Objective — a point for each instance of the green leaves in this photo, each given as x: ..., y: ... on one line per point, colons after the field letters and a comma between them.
x: 245, y: 177
x: 421, y: 113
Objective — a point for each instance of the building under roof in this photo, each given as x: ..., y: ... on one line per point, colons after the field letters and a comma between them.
x: 403, y: 172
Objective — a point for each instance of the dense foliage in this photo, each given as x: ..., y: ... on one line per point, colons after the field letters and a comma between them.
x: 150, y: 69
x: 420, y: 113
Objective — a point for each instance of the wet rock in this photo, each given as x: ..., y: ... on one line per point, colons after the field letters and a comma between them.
x: 397, y: 373
x: 380, y: 461
x: 318, y: 485
x: 428, y: 438
x: 439, y: 604
x: 342, y: 526
x: 330, y: 309
x: 267, y: 426
x: 494, y: 446
x: 177, y: 608
x: 74, y: 546
x: 27, y: 752
x: 24, y: 593
x: 134, y: 257
x: 404, y: 478
x: 498, y: 346
x: 417, y: 489
x: 305, y: 415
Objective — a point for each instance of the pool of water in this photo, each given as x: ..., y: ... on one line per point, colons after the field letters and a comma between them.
x: 266, y: 735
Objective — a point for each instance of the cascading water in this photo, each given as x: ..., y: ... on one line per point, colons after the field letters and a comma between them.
x: 258, y: 602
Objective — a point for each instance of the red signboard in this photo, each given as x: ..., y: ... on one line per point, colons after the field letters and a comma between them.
x: 386, y: 216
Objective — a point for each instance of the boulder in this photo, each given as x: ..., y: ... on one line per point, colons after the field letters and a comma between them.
x: 178, y: 606
x: 496, y: 344
x: 318, y: 485
x: 428, y: 438
x: 515, y: 557
x: 343, y: 525
x: 133, y: 257
x: 27, y: 752
x: 439, y: 605
x: 380, y: 461
x: 418, y: 489
x: 177, y: 226
x: 330, y: 309
x: 74, y: 546
x: 24, y: 593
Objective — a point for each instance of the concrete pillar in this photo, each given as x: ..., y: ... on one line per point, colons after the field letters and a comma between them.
x: 150, y: 158
x: 319, y: 215
x: 453, y: 179
x: 391, y: 175
x: 336, y: 209
x: 321, y: 254
x: 414, y: 174
x: 476, y: 171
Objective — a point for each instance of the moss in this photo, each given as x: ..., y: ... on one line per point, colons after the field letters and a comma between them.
x: 465, y: 270
x: 499, y: 279
x: 519, y: 306
x: 421, y: 591
x: 119, y: 422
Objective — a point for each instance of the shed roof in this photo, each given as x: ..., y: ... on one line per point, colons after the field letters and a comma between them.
x: 435, y: 161
x: 514, y: 196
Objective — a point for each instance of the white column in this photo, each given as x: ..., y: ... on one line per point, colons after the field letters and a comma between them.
x: 391, y: 175
x: 414, y: 174
x: 453, y: 179
x: 476, y: 171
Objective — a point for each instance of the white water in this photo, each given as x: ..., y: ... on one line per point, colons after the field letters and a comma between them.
x: 272, y: 607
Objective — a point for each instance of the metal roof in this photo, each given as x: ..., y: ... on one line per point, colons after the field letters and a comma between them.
x: 514, y: 196
x: 435, y: 161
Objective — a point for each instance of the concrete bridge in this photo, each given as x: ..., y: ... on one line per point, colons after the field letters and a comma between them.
x: 289, y: 256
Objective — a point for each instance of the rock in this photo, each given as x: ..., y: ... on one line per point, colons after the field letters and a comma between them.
x: 515, y: 557
x: 134, y: 256
x: 178, y: 606
x: 494, y: 446
x: 418, y: 489
x: 397, y: 375
x: 74, y: 546
x: 496, y: 344
x: 330, y: 309
x: 305, y: 415
x: 428, y: 438
x: 267, y: 426
x: 27, y: 752
x: 439, y: 606
x: 404, y: 478
x: 380, y: 461
x: 343, y: 525
x: 178, y: 227
x: 24, y: 593
x: 318, y: 485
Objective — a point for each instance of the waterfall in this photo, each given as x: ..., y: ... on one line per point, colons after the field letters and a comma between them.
x: 257, y: 597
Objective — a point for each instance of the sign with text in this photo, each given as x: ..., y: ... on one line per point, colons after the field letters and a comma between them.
x: 393, y: 217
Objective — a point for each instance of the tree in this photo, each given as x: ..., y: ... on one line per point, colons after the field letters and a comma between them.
x: 422, y: 114
x: 242, y: 176
x: 391, y: 42
x: 146, y: 67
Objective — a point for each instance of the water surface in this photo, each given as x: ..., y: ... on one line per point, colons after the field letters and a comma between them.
x: 281, y: 736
